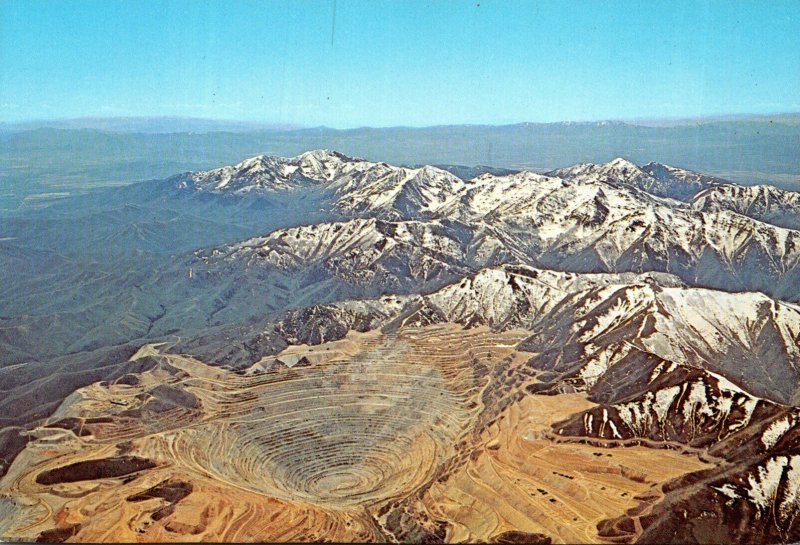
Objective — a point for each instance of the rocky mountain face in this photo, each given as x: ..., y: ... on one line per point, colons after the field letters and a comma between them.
x: 583, y: 222
x: 655, y: 178
x: 761, y: 202
x: 582, y: 325
x: 643, y: 310
x: 354, y: 187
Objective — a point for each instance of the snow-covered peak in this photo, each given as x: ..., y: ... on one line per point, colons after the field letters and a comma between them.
x: 621, y: 165
x: 519, y: 295
x: 655, y: 178
x: 618, y: 169
x: 324, y: 165
x: 325, y: 155
x: 489, y: 194
x: 358, y: 252
x: 678, y: 183
x: 396, y: 192
x: 354, y: 187
x: 265, y: 173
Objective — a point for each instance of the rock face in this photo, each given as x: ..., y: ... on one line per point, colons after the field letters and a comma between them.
x: 567, y: 224
x: 381, y: 229
x: 355, y: 187
x: 602, y: 353
x: 762, y: 202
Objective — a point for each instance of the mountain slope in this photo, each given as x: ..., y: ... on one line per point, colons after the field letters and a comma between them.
x: 593, y: 226
x: 582, y: 225
x: 762, y: 202
x: 583, y: 325
x: 355, y: 187
x: 586, y: 226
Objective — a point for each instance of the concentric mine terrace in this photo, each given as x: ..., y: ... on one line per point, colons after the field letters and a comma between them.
x: 372, y: 437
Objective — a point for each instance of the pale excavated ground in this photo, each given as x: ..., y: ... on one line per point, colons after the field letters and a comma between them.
x: 522, y: 480
x: 371, y: 418
x: 314, y: 451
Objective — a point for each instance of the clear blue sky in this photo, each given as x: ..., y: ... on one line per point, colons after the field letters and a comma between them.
x: 350, y: 63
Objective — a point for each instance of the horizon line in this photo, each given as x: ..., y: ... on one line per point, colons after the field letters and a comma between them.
x: 288, y: 126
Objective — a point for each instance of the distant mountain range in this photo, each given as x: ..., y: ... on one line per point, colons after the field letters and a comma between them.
x: 41, y: 165
x: 148, y: 125
x: 176, y: 124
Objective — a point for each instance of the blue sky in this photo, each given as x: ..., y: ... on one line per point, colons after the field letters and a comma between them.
x: 353, y: 63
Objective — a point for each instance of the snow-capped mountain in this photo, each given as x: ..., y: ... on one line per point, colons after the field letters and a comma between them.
x: 335, y: 261
x: 515, y: 295
x: 588, y: 220
x: 679, y: 403
x: 523, y: 218
x: 655, y: 178
x: 600, y: 318
x: 678, y: 183
x: 618, y: 169
x: 762, y: 202
x: 595, y: 226
x: 268, y: 173
x: 358, y: 187
x: 355, y: 187
x: 718, y: 331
